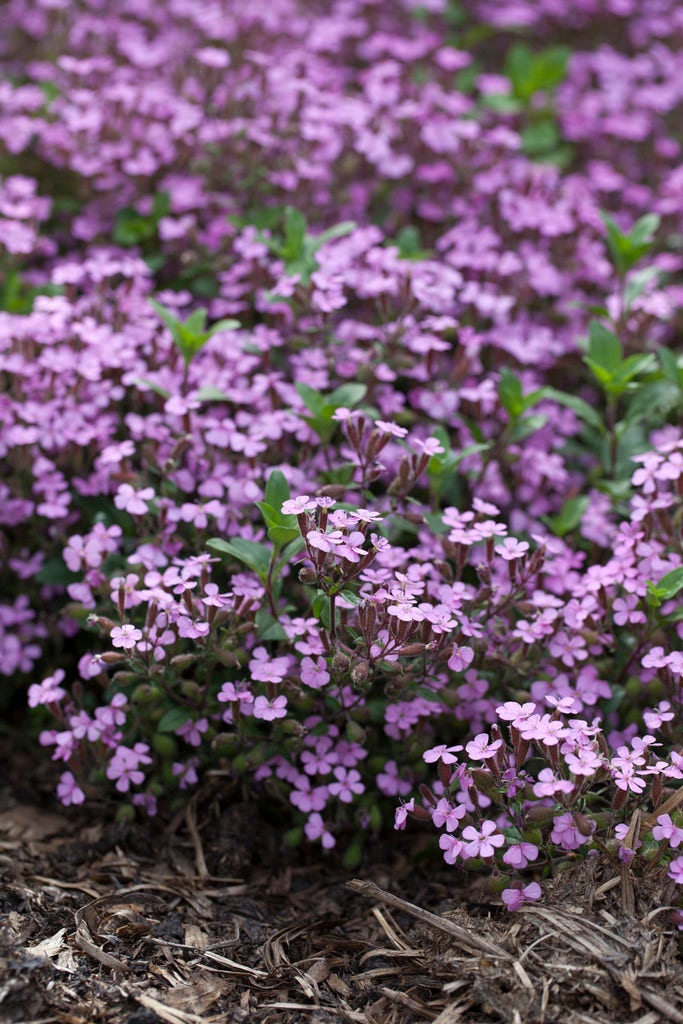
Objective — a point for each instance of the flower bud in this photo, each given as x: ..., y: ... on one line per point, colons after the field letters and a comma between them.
x: 181, y: 661
x: 101, y: 622
x: 584, y: 824
x: 307, y: 576
x: 124, y: 678
x: 340, y: 664
x: 412, y: 649
x: 359, y: 673
x: 113, y: 657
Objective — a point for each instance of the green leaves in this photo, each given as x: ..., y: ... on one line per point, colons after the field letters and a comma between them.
x: 614, y: 374
x: 516, y: 404
x: 442, y: 467
x: 322, y: 407
x: 254, y: 555
x: 531, y: 72
x: 296, y: 247
x: 669, y: 586
x: 282, y: 529
x: 192, y: 334
x: 627, y: 247
x: 133, y: 228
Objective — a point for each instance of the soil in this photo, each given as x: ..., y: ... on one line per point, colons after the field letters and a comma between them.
x: 210, y: 919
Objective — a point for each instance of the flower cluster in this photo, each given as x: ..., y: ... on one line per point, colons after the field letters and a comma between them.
x: 423, y: 493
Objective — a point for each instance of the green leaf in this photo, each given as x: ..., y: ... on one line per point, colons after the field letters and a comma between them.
x: 582, y: 409
x: 637, y: 283
x: 190, y: 335
x: 256, y: 556
x: 344, y: 227
x: 510, y: 393
x: 173, y: 720
x: 295, y: 232
x: 672, y: 371
x: 54, y: 571
x: 277, y: 491
x: 627, y: 247
x: 267, y: 626
x: 669, y: 585
x: 541, y: 138
x: 312, y: 399
x: 149, y: 384
x: 211, y: 394
x: 346, y: 396
x: 321, y: 608
x: 282, y: 535
x: 224, y: 325
x: 526, y: 426
x: 569, y: 516
x: 604, y: 348
x: 531, y: 72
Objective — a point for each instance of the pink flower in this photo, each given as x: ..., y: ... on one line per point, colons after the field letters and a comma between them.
x: 125, y: 636
x: 511, y: 549
x: 48, y: 691
x: 519, y: 855
x: 460, y: 658
x: 348, y: 783
x: 565, y: 834
x: 451, y: 846
x: 515, y: 713
x: 482, y: 747
x: 132, y: 501
x: 401, y: 814
x: 514, y: 899
x: 315, y: 829
x: 269, y: 710
x: 68, y: 790
x: 297, y: 506
x: 441, y: 753
x: 666, y: 829
x: 266, y: 669
x: 675, y: 871
x: 482, y: 843
x: 446, y: 814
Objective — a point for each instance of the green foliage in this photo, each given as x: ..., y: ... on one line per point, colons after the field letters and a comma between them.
x: 191, y: 335
x: 626, y: 248
x: 16, y: 296
x: 282, y: 529
x: 322, y: 407
x: 292, y: 241
x: 668, y: 586
x: 530, y: 72
x: 615, y: 374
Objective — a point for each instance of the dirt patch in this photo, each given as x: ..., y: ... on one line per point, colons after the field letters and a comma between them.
x: 106, y: 924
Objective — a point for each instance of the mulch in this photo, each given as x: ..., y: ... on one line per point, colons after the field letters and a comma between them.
x: 210, y: 919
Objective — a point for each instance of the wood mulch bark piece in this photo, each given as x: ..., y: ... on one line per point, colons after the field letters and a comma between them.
x: 109, y: 924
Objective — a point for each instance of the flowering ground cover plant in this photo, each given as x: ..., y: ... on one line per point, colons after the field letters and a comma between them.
x: 341, y: 417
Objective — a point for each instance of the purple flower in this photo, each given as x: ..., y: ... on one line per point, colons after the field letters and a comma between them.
x: 315, y: 829
x: 514, y: 899
x: 482, y: 843
x: 347, y: 785
x: 675, y: 871
x: 451, y: 846
x: 401, y: 814
x: 269, y: 710
x: 47, y: 692
x: 666, y: 829
x: 125, y: 636
x: 68, y: 790
x: 132, y: 501
x: 314, y: 673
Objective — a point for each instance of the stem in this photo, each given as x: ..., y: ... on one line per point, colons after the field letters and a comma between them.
x: 333, y: 623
